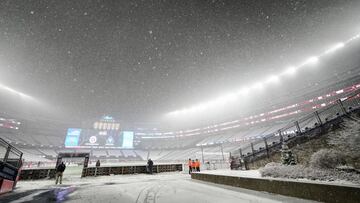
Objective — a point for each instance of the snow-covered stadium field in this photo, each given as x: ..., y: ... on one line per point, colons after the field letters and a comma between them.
x: 165, y: 187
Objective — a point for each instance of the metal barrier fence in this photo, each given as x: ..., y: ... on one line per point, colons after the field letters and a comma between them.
x: 267, y: 144
x: 9, y: 154
x: 10, y: 164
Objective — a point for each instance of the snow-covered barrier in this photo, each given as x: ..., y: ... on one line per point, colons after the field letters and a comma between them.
x: 37, y: 173
x: 122, y: 170
x: 313, y: 191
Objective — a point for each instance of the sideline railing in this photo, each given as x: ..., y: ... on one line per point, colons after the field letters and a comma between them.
x: 10, y: 164
x: 9, y: 154
x: 267, y: 144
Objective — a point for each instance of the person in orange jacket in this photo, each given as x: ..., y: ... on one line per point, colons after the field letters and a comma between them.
x: 193, y: 165
x: 190, y: 167
x: 197, y: 165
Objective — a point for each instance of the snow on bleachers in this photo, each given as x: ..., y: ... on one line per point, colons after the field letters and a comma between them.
x: 99, y: 153
x: 181, y: 155
x: 83, y: 151
x: 142, y: 154
x: 170, y: 155
x: 66, y: 151
x: 155, y: 154
x: 128, y: 153
x: 32, y: 155
x: 115, y: 153
x: 48, y: 152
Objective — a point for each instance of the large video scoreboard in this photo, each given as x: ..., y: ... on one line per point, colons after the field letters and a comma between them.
x: 105, y: 133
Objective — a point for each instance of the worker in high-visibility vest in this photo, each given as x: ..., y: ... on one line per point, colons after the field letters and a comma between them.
x: 190, y: 167
x: 197, y: 165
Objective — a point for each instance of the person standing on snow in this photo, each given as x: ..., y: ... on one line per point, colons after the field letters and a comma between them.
x: 197, y: 165
x: 193, y: 166
x: 59, y: 172
x: 150, y: 165
x: 190, y: 168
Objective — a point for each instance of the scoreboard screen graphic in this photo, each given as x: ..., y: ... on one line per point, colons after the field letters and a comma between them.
x: 92, y: 138
x: 72, y: 137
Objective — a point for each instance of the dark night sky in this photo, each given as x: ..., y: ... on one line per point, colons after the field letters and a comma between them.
x: 137, y: 60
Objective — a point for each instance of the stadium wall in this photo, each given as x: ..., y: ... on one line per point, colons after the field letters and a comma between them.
x: 312, y: 191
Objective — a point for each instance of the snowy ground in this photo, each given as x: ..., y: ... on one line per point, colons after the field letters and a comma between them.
x: 165, y: 187
x: 92, y: 164
x: 256, y: 174
x: 236, y: 173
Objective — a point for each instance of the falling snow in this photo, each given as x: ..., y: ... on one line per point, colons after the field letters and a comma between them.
x: 185, y: 53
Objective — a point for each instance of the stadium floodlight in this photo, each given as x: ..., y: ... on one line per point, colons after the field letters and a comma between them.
x: 258, y: 85
x: 174, y: 113
x: 200, y: 107
x: 273, y: 79
x: 186, y: 110
x: 244, y: 91
x: 335, y: 47
x: 290, y: 71
x: 22, y: 95
x: 8, y: 89
x: 231, y: 97
x: 193, y: 109
x: 226, y: 98
x: 355, y: 37
x: 311, y: 60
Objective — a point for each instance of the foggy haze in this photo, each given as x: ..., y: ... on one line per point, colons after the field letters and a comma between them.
x: 138, y: 60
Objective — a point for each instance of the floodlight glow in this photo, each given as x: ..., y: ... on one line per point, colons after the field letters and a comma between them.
x: 273, y: 79
x: 9, y: 89
x: 202, y: 106
x: 244, y: 91
x: 311, y: 60
x: 258, y: 85
x: 354, y: 38
x: 334, y: 48
x: 4, y: 87
x: 193, y: 109
x: 186, y: 110
x: 226, y: 98
x: 174, y: 113
x: 290, y: 71
x: 231, y: 97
